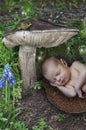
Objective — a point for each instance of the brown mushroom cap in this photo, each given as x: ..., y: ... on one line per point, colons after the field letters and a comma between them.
x: 46, y: 38
x: 40, y: 34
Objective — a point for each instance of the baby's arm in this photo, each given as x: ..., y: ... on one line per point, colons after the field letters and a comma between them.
x: 67, y: 90
x: 80, y: 83
x: 82, y: 77
x: 79, y: 93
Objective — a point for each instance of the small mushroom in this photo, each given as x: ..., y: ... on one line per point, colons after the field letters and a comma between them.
x: 40, y: 34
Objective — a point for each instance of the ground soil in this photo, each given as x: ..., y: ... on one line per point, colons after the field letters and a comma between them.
x: 35, y: 106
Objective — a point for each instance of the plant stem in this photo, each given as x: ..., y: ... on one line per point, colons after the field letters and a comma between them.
x: 6, y: 88
x: 9, y: 94
x: 13, y: 96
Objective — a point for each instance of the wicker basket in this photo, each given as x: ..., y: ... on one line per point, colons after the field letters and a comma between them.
x: 70, y: 105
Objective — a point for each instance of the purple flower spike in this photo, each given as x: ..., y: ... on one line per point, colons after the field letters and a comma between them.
x: 7, y: 67
x: 6, y: 70
x: 2, y: 83
x: 7, y: 75
x: 12, y: 82
x: 10, y: 76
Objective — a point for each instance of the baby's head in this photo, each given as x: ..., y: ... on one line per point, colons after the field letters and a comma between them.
x: 56, y: 71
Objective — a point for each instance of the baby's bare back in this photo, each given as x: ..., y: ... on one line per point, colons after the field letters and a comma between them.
x: 77, y: 69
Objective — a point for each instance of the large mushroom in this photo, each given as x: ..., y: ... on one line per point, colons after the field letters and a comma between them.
x: 38, y: 34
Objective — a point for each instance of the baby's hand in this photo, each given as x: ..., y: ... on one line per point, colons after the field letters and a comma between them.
x: 53, y: 84
x: 79, y: 92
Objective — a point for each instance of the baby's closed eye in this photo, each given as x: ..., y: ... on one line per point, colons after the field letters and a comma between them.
x: 57, y: 73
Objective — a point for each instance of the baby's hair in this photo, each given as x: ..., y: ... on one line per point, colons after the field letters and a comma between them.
x: 46, y: 63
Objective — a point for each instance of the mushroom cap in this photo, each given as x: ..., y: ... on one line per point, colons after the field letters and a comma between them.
x: 39, y: 34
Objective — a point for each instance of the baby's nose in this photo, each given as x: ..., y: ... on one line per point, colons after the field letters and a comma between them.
x: 58, y: 79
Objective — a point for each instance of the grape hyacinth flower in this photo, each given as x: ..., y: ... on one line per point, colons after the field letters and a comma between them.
x: 2, y: 83
x: 7, y: 75
x: 8, y: 79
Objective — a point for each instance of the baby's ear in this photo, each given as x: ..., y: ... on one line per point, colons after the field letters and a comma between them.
x: 63, y: 62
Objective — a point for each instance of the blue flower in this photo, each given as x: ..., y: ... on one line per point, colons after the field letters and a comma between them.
x: 10, y: 76
x: 7, y: 75
x: 6, y: 70
x: 12, y: 82
x: 4, y: 76
x: 2, y: 83
x: 7, y: 67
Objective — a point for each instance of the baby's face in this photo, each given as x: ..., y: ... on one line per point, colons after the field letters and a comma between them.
x: 58, y: 75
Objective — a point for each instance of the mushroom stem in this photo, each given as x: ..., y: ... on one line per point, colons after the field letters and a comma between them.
x: 27, y: 56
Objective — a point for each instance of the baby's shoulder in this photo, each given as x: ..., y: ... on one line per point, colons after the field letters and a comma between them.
x: 75, y: 63
x: 78, y: 65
